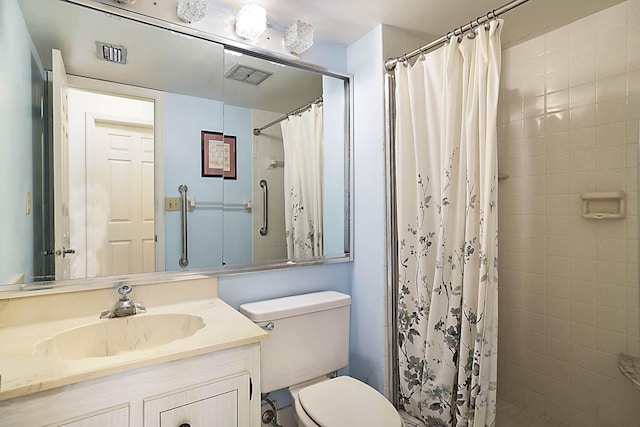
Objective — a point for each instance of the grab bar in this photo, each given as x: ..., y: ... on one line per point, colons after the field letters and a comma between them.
x: 184, y: 260
x: 265, y: 206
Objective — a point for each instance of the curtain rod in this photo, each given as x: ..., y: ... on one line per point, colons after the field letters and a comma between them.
x: 390, y: 63
x: 299, y: 110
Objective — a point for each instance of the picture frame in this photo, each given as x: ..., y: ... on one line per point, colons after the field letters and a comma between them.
x: 218, y: 155
x: 229, y: 168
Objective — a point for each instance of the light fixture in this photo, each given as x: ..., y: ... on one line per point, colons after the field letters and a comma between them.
x: 126, y: 1
x: 192, y: 10
x: 251, y: 21
x: 298, y: 37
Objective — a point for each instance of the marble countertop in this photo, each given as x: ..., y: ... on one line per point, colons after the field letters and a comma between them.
x: 23, y: 372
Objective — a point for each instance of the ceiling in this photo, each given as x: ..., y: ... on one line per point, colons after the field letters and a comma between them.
x: 345, y: 21
x: 161, y: 60
x: 74, y: 30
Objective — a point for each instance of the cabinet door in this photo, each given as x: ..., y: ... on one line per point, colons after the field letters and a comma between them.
x: 115, y: 418
x: 223, y: 403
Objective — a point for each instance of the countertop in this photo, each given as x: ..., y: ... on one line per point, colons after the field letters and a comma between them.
x: 23, y: 373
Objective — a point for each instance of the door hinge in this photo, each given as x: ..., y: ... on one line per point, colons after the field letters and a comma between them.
x: 250, y: 388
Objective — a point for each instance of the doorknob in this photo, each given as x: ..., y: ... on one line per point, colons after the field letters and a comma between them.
x: 65, y: 251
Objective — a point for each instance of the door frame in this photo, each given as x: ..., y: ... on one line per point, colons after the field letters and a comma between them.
x: 157, y: 97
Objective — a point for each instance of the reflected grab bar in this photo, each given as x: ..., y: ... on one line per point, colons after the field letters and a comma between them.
x: 184, y: 260
x: 265, y: 206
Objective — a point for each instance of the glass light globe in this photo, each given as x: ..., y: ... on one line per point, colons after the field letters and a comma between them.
x: 251, y: 21
x: 192, y: 10
x: 298, y: 37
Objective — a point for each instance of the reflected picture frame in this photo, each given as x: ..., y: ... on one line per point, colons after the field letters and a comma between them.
x: 218, y: 155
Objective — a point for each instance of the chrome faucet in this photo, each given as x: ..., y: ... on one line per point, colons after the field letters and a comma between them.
x: 125, y: 306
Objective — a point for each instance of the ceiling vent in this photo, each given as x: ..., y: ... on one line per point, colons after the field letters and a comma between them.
x: 111, y: 52
x: 245, y: 74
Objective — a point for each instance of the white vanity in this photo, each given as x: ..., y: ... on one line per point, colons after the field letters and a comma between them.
x: 190, y: 360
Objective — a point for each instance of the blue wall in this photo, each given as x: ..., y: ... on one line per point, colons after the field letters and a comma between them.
x: 16, y: 115
x: 368, y: 326
x: 365, y: 278
x: 237, y: 227
x: 184, y: 118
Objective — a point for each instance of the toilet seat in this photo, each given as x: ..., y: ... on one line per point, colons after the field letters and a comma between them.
x: 347, y: 402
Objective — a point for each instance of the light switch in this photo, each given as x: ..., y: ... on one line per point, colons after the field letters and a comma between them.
x: 172, y: 203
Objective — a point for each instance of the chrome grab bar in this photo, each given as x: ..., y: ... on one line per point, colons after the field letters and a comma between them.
x: 265, y: 207
x: 184, y: 260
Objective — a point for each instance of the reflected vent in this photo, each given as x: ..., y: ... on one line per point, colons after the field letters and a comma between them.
x: 245, y: 74
x: 111, y: 53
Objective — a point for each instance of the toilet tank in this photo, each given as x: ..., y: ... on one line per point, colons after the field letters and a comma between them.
x: 309, y: 337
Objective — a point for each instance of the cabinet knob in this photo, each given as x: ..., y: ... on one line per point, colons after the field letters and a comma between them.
x: 185, y: 425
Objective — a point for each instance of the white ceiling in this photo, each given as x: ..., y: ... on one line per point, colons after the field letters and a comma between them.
x: 345, y: 21
x: 160, y: 59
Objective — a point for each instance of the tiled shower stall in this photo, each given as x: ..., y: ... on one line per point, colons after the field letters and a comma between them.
x: 569, y: 303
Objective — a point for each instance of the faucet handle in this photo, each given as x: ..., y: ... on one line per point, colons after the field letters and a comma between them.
x: 124, y: 291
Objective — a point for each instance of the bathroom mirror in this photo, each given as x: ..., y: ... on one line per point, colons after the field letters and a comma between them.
x: 194, y: 127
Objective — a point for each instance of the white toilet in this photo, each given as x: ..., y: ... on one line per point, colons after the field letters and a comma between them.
x: 308, y: 339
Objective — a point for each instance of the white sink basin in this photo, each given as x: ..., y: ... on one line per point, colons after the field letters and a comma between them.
x: 110, y: 337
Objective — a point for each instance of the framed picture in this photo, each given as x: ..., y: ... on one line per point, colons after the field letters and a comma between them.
x: 212, y: 153
x: 229, y: 166
x: 218, y: 155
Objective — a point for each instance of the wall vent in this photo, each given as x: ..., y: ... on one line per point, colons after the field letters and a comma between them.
x: 245, y: 74
x: 111, y: 52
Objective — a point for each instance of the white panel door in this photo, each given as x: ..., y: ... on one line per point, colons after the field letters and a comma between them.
x: 122, y: 205
x: 61, y: 167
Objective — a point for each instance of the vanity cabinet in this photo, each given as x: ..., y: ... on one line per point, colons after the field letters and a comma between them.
x: 114, y: 417
x: 212, y: 389
x: 222, y: 403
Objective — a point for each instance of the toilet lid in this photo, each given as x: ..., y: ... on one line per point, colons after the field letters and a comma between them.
x: 344, y: 401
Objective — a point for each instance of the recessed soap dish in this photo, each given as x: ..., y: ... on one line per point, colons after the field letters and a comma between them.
x: 604, y: 205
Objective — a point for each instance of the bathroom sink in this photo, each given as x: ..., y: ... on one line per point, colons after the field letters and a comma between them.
x: 110, y: 337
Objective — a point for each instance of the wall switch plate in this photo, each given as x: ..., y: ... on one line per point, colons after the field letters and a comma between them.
x: 28, y: 203
x: 172, y: 203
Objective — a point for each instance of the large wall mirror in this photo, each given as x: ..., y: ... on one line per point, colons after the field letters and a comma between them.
x: 142, y: 149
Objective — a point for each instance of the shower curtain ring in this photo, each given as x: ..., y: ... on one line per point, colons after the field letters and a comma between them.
x: 461, y: 35
x: 472, y: 33
x: 422, y: 56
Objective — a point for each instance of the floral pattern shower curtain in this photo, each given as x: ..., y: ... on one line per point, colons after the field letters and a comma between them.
x: 302, y: 139
x: 446, y: 145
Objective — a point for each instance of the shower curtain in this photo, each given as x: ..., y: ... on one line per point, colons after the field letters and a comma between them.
x: 302, y: 140
x: 446, y: 158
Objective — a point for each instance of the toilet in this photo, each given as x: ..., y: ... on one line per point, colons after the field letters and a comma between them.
x: 308, y: 340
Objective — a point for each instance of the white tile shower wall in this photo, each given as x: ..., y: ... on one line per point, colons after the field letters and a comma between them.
x: 268, y: 145
x: 570, y: 102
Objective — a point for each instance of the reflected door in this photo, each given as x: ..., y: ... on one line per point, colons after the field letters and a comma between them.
x: 61, y: 169
x: 122, y: 205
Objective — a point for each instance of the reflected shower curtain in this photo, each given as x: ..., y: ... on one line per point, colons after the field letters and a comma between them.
x: 446, y: 157
x: 302, y: 140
